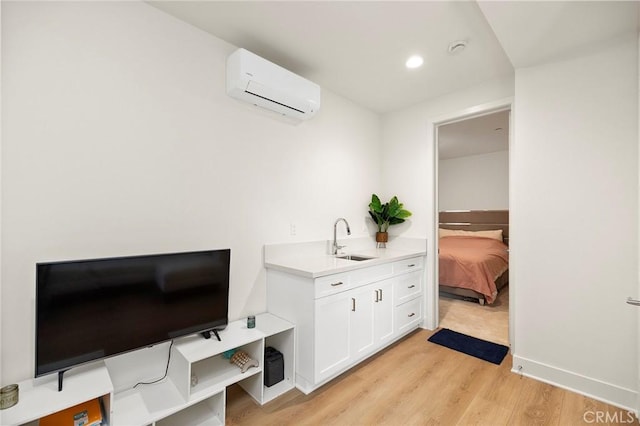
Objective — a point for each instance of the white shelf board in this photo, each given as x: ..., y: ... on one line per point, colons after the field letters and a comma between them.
x: 270, y: 324
x: 40, y: 397
x: 146, y: 403
x: 218, y: 373
x: 196, y: 348
x: 199, y: 414
x: 129, y: 409
x: 272, y: 392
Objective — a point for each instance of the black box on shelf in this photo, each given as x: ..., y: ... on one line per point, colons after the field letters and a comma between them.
x: 273, y: 366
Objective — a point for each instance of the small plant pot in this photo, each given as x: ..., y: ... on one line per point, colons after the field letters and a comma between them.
x: 381, y: 239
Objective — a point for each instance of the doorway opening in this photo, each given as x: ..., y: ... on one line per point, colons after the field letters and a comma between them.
x: 472, y: 235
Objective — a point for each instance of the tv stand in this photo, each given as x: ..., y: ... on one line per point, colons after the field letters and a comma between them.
x: 60, y: 377
x: 175, y: 401
x: 207, y: 334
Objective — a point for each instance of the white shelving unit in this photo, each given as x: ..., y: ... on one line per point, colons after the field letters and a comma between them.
x: 279, y: 334
x: 173, y: 401
x: 40, y: 397
x: 208, y: 412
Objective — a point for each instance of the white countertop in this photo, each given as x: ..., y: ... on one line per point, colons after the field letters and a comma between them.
x: 308, y: 264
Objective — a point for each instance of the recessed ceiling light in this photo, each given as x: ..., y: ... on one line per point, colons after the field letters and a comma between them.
x: 414, y: 61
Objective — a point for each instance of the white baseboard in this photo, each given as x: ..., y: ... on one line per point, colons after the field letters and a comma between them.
x: 596, y: 389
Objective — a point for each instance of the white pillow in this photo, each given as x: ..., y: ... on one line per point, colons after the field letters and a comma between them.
x: 493, y: 234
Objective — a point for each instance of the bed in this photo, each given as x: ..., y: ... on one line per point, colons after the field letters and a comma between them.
x: 473, y: 258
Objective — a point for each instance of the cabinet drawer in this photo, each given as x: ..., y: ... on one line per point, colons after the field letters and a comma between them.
x: 335, y: 283
x: 407, y: 287
x: 408, y: 315
x: 407, y: 265
x: 331, y: 284
x: 371, y: 274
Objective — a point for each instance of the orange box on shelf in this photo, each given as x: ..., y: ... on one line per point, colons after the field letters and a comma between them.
x: 86, y: 414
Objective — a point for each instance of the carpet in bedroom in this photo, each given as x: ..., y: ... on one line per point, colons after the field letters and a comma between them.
x: 488, y: 322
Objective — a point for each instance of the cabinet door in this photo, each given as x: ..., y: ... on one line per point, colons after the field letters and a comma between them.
x: 332, y: 334
x: 362, y: 326
x: 383, y: 313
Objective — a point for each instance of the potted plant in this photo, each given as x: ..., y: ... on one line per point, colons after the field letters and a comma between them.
x: 385, y: 215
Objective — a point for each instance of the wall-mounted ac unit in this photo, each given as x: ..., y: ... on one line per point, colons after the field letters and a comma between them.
x: 253, y: 79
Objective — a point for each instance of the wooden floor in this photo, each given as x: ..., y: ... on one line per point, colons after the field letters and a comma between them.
x: 488, y: 322
x: 416, y: 382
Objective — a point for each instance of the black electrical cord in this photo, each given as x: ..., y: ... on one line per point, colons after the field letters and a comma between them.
x: 166, y: 371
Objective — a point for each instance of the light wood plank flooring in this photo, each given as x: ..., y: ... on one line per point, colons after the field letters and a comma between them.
x: 416, y: 382
x: 488, y: 322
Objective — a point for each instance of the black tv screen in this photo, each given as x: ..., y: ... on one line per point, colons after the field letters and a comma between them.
x: 92, y: 309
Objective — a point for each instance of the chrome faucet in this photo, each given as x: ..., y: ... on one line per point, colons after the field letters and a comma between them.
x: 336, y: 247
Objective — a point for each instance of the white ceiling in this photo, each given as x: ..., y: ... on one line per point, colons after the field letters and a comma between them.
x: 479, y: 135
x: 534, y: 32
x: 357, y: 49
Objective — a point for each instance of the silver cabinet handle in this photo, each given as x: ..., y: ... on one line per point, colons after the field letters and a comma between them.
x: 336, y: 284
x: 377, y: 297
x: 634, y: 302
x: 353, y: 304
x: 411, y: 314
x: 412, y: 286
x: 411, y: 265
x: 380, y: 294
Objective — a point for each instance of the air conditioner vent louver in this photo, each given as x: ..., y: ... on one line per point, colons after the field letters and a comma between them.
x: 253, y: 79
x: 276, y: 102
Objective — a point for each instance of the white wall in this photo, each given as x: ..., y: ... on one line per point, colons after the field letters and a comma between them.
x: 574, y: 212
x: 408, y: 158
x: 119, y: 139
x: 475, y: 182
x: 575, y: 221
x: 409, y: 161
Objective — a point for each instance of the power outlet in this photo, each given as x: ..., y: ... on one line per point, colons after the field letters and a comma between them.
x: 292, y: 229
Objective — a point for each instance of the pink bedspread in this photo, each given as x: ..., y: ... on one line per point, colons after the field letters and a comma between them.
x: 473, y: 262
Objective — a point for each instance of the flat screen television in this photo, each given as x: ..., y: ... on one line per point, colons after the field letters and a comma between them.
x: 92, y: 309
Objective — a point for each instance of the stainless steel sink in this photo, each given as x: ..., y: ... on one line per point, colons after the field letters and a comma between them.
x: 355, y: 257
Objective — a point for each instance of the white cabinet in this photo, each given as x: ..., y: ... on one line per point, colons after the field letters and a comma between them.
x: 407, y: 287
x: 176, y: 400
x: 408, y: 316
x: 407, y: 300
x: 345, y: 317
x: 350, y: 325
x: 361, y: 322
x: 384, y: 320
x: 333, y: 334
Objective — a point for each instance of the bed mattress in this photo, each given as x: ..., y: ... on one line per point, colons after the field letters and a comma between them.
x: 473, y: 263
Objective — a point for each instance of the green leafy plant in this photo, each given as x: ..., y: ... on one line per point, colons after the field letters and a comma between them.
x: 387, y: 214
